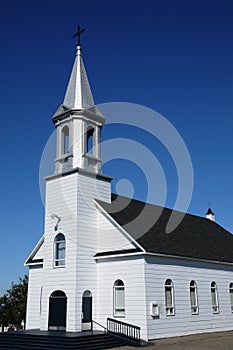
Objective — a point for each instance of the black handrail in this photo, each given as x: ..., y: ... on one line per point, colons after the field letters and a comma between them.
x: 126, y: 331
x: 98, y: 324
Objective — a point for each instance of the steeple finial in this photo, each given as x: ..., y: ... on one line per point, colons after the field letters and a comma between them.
x: 78, y: 34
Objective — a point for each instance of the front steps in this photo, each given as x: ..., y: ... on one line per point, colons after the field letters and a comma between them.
x: 39, y: 340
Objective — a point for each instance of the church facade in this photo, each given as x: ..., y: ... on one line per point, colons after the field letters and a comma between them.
x: 91, y: 263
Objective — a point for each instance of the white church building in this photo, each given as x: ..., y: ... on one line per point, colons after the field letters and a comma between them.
x: 90, y: 264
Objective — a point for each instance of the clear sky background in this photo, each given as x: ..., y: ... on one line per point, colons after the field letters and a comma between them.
x: 174, y: 56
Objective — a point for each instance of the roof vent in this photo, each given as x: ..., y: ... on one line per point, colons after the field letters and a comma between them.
x: 210, y: 215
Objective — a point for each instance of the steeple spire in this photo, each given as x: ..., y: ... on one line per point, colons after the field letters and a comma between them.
x: 78, y: 93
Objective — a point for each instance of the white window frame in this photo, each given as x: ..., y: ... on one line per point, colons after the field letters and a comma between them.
x: 214, y: 295
x: 117, y: 287
x: 193, y: 301
x: 169, y: 288
x: 231, y: 295
x: 59, y: 262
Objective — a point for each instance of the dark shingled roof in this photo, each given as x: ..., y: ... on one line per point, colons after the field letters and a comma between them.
x: 195, y: 237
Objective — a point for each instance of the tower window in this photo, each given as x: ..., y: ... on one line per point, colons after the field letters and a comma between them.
x: 59, y: 250
x: 119, y: 298
x: 90, y: 137
x: 193, y: 297
x: 169, y: 298
x: 214, y: 297
x: 65, y: 140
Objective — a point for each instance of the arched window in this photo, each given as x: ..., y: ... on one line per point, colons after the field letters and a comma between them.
x: 231, y: 295
x: 214, y: 297
x: 59, y: 250
x: 193, y: 297
x: 90, y: 144
x: 169, y: 298
x: 65, y: 140
x: 119, y: 299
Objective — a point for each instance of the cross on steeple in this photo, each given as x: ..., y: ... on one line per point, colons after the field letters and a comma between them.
x: 78, y: 34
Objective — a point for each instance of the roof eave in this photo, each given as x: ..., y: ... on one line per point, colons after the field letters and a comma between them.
x: 80, y: 112
x: 113, y: 256
x: 144, y: 253
x: 29, y: 260
x: 188, y: 258
x: 36, y: 263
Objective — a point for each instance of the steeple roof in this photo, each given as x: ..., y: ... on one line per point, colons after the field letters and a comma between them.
x: 209, y: 211
x: 78, y: 93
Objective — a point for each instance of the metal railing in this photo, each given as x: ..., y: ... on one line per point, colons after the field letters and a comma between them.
x: 98, y: 324
x: 125, y: 331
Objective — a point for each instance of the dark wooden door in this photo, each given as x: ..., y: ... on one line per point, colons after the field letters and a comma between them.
x: 57, y: 311
x: 86, y: 311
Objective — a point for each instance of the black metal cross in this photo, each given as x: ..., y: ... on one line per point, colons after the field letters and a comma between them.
x: 78, y: 34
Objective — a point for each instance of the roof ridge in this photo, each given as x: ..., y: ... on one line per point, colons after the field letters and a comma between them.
x: 164, y: 207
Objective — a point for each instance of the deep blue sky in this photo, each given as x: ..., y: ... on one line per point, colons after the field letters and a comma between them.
x: 174, y: 56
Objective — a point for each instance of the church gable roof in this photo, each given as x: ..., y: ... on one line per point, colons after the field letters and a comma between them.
x: 195, y: 237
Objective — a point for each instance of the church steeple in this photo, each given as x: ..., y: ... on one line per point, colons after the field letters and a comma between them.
x: 78, y: 93
x: 78, y: 122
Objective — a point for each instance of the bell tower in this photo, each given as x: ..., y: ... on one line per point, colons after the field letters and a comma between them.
x: 70, y: 237
x: 78, y: 122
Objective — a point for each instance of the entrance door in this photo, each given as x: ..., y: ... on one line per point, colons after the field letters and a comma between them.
x: 57, y: 311
x: 87, y: 311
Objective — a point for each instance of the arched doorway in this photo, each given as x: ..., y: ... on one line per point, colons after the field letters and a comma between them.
x: 57, y: 311
x: 87, y: 311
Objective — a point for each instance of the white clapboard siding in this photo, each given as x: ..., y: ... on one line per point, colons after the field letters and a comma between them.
x: 40, y: 253
x: 182, y: 272
x: 110, y: 237
x: 72, y: 199
x: 86, y: 278
x: 61, y: 200
x: 131, y: 272
x: 34, y: 297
